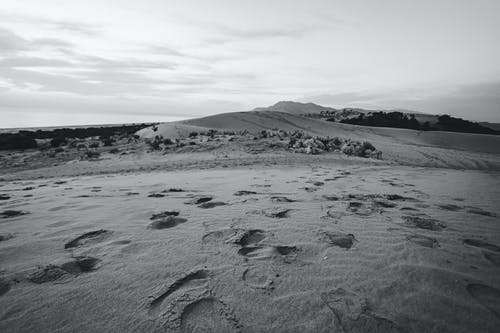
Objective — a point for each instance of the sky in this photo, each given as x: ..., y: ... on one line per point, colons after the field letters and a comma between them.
x: 120, y: 61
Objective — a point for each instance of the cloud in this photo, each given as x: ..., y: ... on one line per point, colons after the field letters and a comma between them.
x: 99, y: 82
x: 11, y: 42
x: 75, y: 27
x: 165, y: 50
x: 292, y: 32
x: 226, y: 34
x: 26, y: 62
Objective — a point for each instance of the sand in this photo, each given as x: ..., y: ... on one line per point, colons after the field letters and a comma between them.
x: 231, y: 241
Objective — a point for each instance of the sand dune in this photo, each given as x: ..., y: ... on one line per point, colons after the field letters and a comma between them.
x: 403, y: 146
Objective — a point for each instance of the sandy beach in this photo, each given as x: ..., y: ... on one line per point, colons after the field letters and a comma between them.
x: 279, y: 242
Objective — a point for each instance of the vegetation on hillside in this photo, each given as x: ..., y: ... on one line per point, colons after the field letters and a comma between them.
x: 27, y: 139
x: 402, y: 120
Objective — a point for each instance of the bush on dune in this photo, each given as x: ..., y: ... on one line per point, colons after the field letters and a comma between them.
x: 58, y: 141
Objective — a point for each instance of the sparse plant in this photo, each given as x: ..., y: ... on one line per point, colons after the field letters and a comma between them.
x: 92, y: 154
x: 107, y: 142
x: 58, y: 141
x: 211, y: 133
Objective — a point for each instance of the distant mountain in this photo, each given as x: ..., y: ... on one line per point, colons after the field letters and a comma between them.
x: 296, y: 108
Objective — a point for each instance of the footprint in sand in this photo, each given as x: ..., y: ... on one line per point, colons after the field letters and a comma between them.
x: 268, y: 251
x: 282, y: 199
x: 173, y: 190
x: 250, y: 237
x: 81, y: 264
x: 4, y: 286
x: 329, y: 197
x: 198, y: 200
x: 345, y: 241
x: 208, y: 315
x: 360, y: 208
x: 217, y: 236
x: 352, y: 312
x: 211, y: 204
x: 258, y: 277
x: 51, y: 273
x: 12, y: 213
x: 423, y: 241
x: 156, y: 195
x: 277, y: 213
x: 450, y: 207
x: 383, y: 203
x: 490, y: 251
x: 166, y: 222
x: 89, y: 237
x: 4, y: 237
x: 48, y: 273
x: 250, y: 240
x: 193, y: 280
x: 494, y: 258
x: 244, y: 192
x: 489, y: 297
x: 423, y: 223
x: 408, y: 208
x: 479, y: 211
x: 164, y: 214
x: 482, y: 244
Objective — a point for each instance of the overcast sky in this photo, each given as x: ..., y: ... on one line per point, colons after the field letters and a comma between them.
x: 114, y: 61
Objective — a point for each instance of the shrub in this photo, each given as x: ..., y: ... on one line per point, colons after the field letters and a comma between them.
x: 167, y: 142
x: 367, y: 145
x: 155, y: 143
x: 58, y: 141
x: 114, y: 151
x: 193, y: 134
x: 92, y: 154
x: 94, y: 145
x: 211, y: 133
x: 108, y: 142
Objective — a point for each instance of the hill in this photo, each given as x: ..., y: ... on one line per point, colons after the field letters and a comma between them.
x: 403, y: 146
